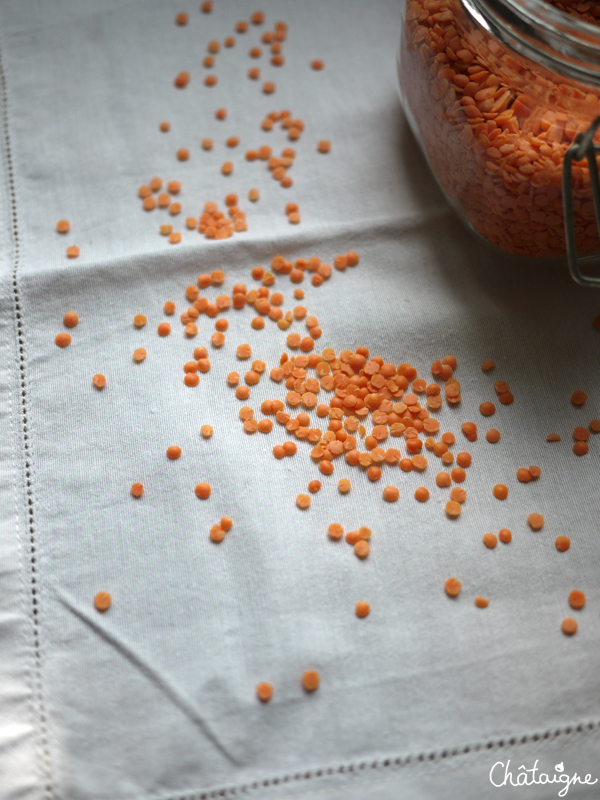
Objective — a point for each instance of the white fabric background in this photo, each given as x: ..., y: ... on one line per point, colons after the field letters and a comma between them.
x: 156, y: 698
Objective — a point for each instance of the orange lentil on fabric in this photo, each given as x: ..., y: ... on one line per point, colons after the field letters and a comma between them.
x: 481, y: 602
x: 578, y: 398
x: 324, y: 146
x: 562, y: 543
x: 536, y: 521
x: 453, y: 509
x: 102, y: 601
x: 206, y: 431
x: 62, y: 339
x: 165, y: 126
x: 139, y: 354
x: 70, y: 319
x: 303, y: 501
x: 361, y: 549
x: 391, y: 494
x: 500, y: 491
x: 362, y: 609
x: 335, y: 531
x: 487, y: 365
x: 217, y: 534
x: 99, y: 381
x: 202, y: 491
x: 490, y: 540
x: 64, y: 226
x: 311, y: 680
x: 493, y: 435
x: 487, y: 409
x: 421, y: 494
x: 576, y: 599
x: 137, y: 489
x: 505, y: 535
x: 452, y: 587
x: 264, y: 692
x: 569, y: 626
x: 580, y: 448
x: 458, y: 494
x: 73, y: 251
x: 463, y: 459
x: 523, y: 475
x: 594, y: 425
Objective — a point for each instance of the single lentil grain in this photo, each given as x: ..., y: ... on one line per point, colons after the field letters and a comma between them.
x: 102, y: 601
x: 202, y: 491
x: 490, y: 540
x: 362, y: 549
x: 452, y: 587
x: 576, y: 599
x: 311, y: 680
x: 500, y: 491
x: 453, y: 508
x: 562, y: 543
x: 139, y: 354
x: 99, y: 381
x: 481, y: 602
x: 536, y: 521
x: 487, y: 409
x: 62, y: 339
x: 569, y: 626
x: 137, y: 489
x: 362, y: 609
x: 264, y: 692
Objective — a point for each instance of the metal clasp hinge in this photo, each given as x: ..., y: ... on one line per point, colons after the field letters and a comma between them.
x: 582, y: 146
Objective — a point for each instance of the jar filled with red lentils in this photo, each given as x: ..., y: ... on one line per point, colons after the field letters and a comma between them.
x: 496, y: 92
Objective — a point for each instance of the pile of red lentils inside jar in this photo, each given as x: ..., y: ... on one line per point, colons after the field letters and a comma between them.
x: 495, y: 128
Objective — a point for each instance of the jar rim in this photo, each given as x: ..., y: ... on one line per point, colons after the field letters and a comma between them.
x: 544, y: 34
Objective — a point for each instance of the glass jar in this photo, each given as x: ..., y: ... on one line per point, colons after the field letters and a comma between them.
x: 495, y: 92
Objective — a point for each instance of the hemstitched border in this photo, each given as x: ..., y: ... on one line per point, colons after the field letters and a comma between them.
x: 380, y: 765
x: 29, y: 513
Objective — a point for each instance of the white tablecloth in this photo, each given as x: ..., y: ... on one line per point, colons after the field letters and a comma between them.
x: 156, y: 697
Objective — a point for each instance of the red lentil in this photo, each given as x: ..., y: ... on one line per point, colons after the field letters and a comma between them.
x: 202, y: 491
x: 137, y: 489
x: 264, y: 692
x: 102, y: 601
x: 536, y: 521
x: 569, y: 626
x: 70, y: 319
x: 452, y: 587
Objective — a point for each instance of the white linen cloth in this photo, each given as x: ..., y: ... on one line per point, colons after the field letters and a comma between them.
x: 156, y: 698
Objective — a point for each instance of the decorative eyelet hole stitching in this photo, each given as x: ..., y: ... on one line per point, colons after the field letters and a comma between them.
x: 39, y: 709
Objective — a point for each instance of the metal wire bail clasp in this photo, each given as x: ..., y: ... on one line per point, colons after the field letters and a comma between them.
x: 582, y: 146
